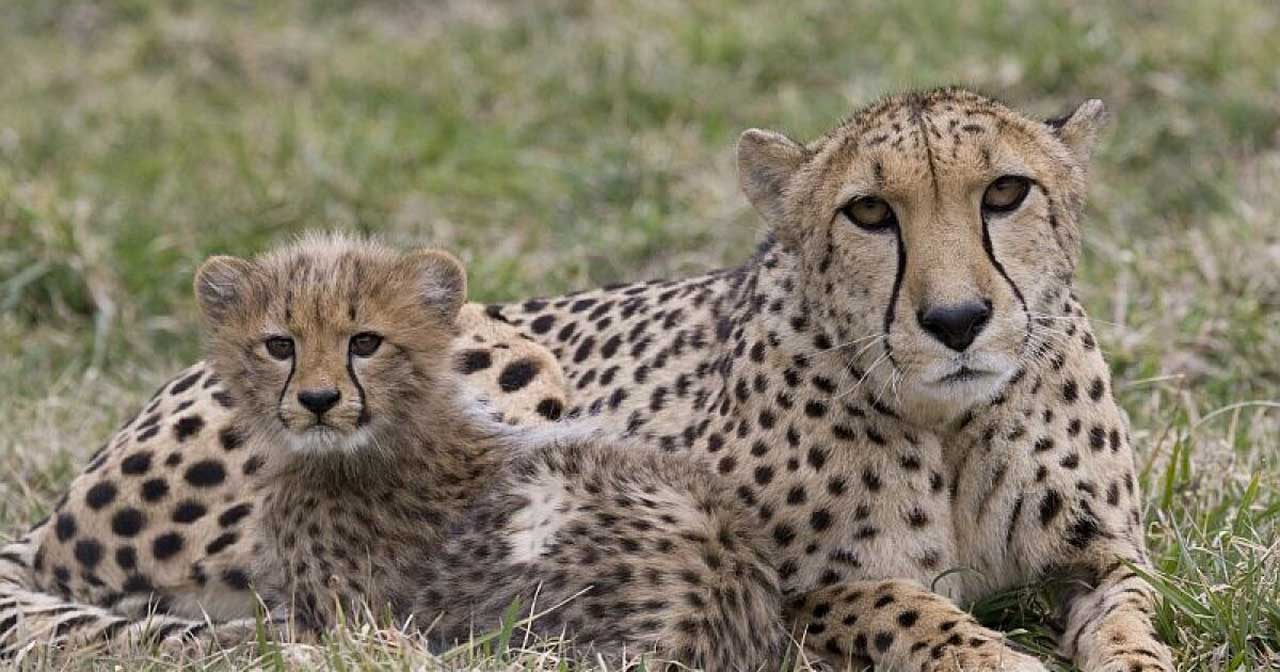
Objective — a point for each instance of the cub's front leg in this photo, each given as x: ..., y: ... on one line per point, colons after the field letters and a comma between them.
x: 899, y: 625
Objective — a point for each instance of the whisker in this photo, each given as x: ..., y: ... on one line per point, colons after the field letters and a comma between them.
x: 1077, y: 318
x: 884, y: 357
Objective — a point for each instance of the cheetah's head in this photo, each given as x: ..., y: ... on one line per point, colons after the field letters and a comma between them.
x: 935, y: 234
x: 325, y: 342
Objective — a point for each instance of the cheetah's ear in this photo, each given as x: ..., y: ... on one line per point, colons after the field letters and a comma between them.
x: 219, y: 284
x: 1079, y: 128
x: 441, y: 281
x: 766, y: 162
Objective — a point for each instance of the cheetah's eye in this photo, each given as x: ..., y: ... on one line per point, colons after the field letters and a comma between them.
x: 280, y: 347
x: 1006, y: 193
x: 870, y: 213
x: 365, y: 343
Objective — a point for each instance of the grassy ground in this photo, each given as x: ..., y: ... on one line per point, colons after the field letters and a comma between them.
x: 565, y: 144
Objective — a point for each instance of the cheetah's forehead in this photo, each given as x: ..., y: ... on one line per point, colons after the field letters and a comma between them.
x: 908, y: 138
x: 328, y: 281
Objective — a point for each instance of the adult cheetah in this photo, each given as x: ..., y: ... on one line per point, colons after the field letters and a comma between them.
x: 899, y: 383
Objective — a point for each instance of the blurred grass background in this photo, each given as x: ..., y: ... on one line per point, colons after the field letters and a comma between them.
x: 568, y: 143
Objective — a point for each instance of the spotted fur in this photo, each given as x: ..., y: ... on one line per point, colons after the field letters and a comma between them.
x: 376, y: 456
x: 154, y: 534
x: 874, y: 457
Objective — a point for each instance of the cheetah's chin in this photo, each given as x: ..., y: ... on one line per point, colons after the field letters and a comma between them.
x: 323, y: 440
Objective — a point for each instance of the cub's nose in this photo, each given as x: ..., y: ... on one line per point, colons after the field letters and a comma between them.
x: 957, y: 325
x: 318, y: 401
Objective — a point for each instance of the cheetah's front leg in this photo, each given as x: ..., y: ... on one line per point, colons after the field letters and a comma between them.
x: 1109, y: 626
x: 899, y: 625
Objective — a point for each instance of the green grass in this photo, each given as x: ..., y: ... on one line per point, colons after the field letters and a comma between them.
x: 565, y: 144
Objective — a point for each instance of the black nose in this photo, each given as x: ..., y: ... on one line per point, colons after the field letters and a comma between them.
x: 318, y: 401
x: 956, y: 325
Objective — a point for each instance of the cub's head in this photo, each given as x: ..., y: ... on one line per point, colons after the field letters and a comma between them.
x: 328, y: 343
x: 937, y: 232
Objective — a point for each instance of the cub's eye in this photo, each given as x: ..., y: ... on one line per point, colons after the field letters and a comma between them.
x: 870, y: 213
x: 365, y: 343
x: 1006, y: 193
x: 280, y: 347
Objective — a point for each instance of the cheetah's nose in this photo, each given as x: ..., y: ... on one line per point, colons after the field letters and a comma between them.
x: 319, y: 401
x: 957, y: 325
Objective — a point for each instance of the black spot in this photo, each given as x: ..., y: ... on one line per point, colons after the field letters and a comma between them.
x: 542, y: 324
x: 166, y: 546
x: 550, y: 409
x: 187, y: 427
x: 65, y: 527
x: 871, y: 480
x: 1097, y: 438
x: 1096, y: 389
x: 221, y: 543
x: 610, y: 346
x: 147, y: 434
x: 136, y: 464
x: 1070, y: 391
x: 820, y: 520
x: 234, y: 514
x: 883, y: 641
x: 236, y: 578
x: 100, y: 495
x: 136, y: 583
x: 189, y: 512
x: 471, y: 361
x: 127, y: 522
x: 186, y: 383
x: 252, y: 465
x: 1083, y: 530
x: 584, y: 350
x: 127, y: 558
x: 517, y: 374
x: 764, y: 474
x: 88, y: 552
x: 783, y: 535
x: 224, y: 399
x: 908, y: 618
x: 154, y: 490
x: 1050, y: 507
x: 229, y: 438
x: 206, y: 473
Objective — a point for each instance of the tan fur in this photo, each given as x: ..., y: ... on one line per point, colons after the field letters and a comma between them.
x: 397, y: 456
x: 777, y: 377
x: 347, y: 526
x: 170, y: 550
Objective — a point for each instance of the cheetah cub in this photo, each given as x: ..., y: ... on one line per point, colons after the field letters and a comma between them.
x: 388, y: 490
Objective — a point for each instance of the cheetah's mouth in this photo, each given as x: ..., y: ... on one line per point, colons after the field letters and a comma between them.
x: 321, y: 437
x: 964, y: 374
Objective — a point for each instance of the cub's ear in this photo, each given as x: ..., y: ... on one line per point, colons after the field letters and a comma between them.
x: 441, y: 281
x: 220, y: 285
x: 766, y: 162
x: 1079, y: 128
